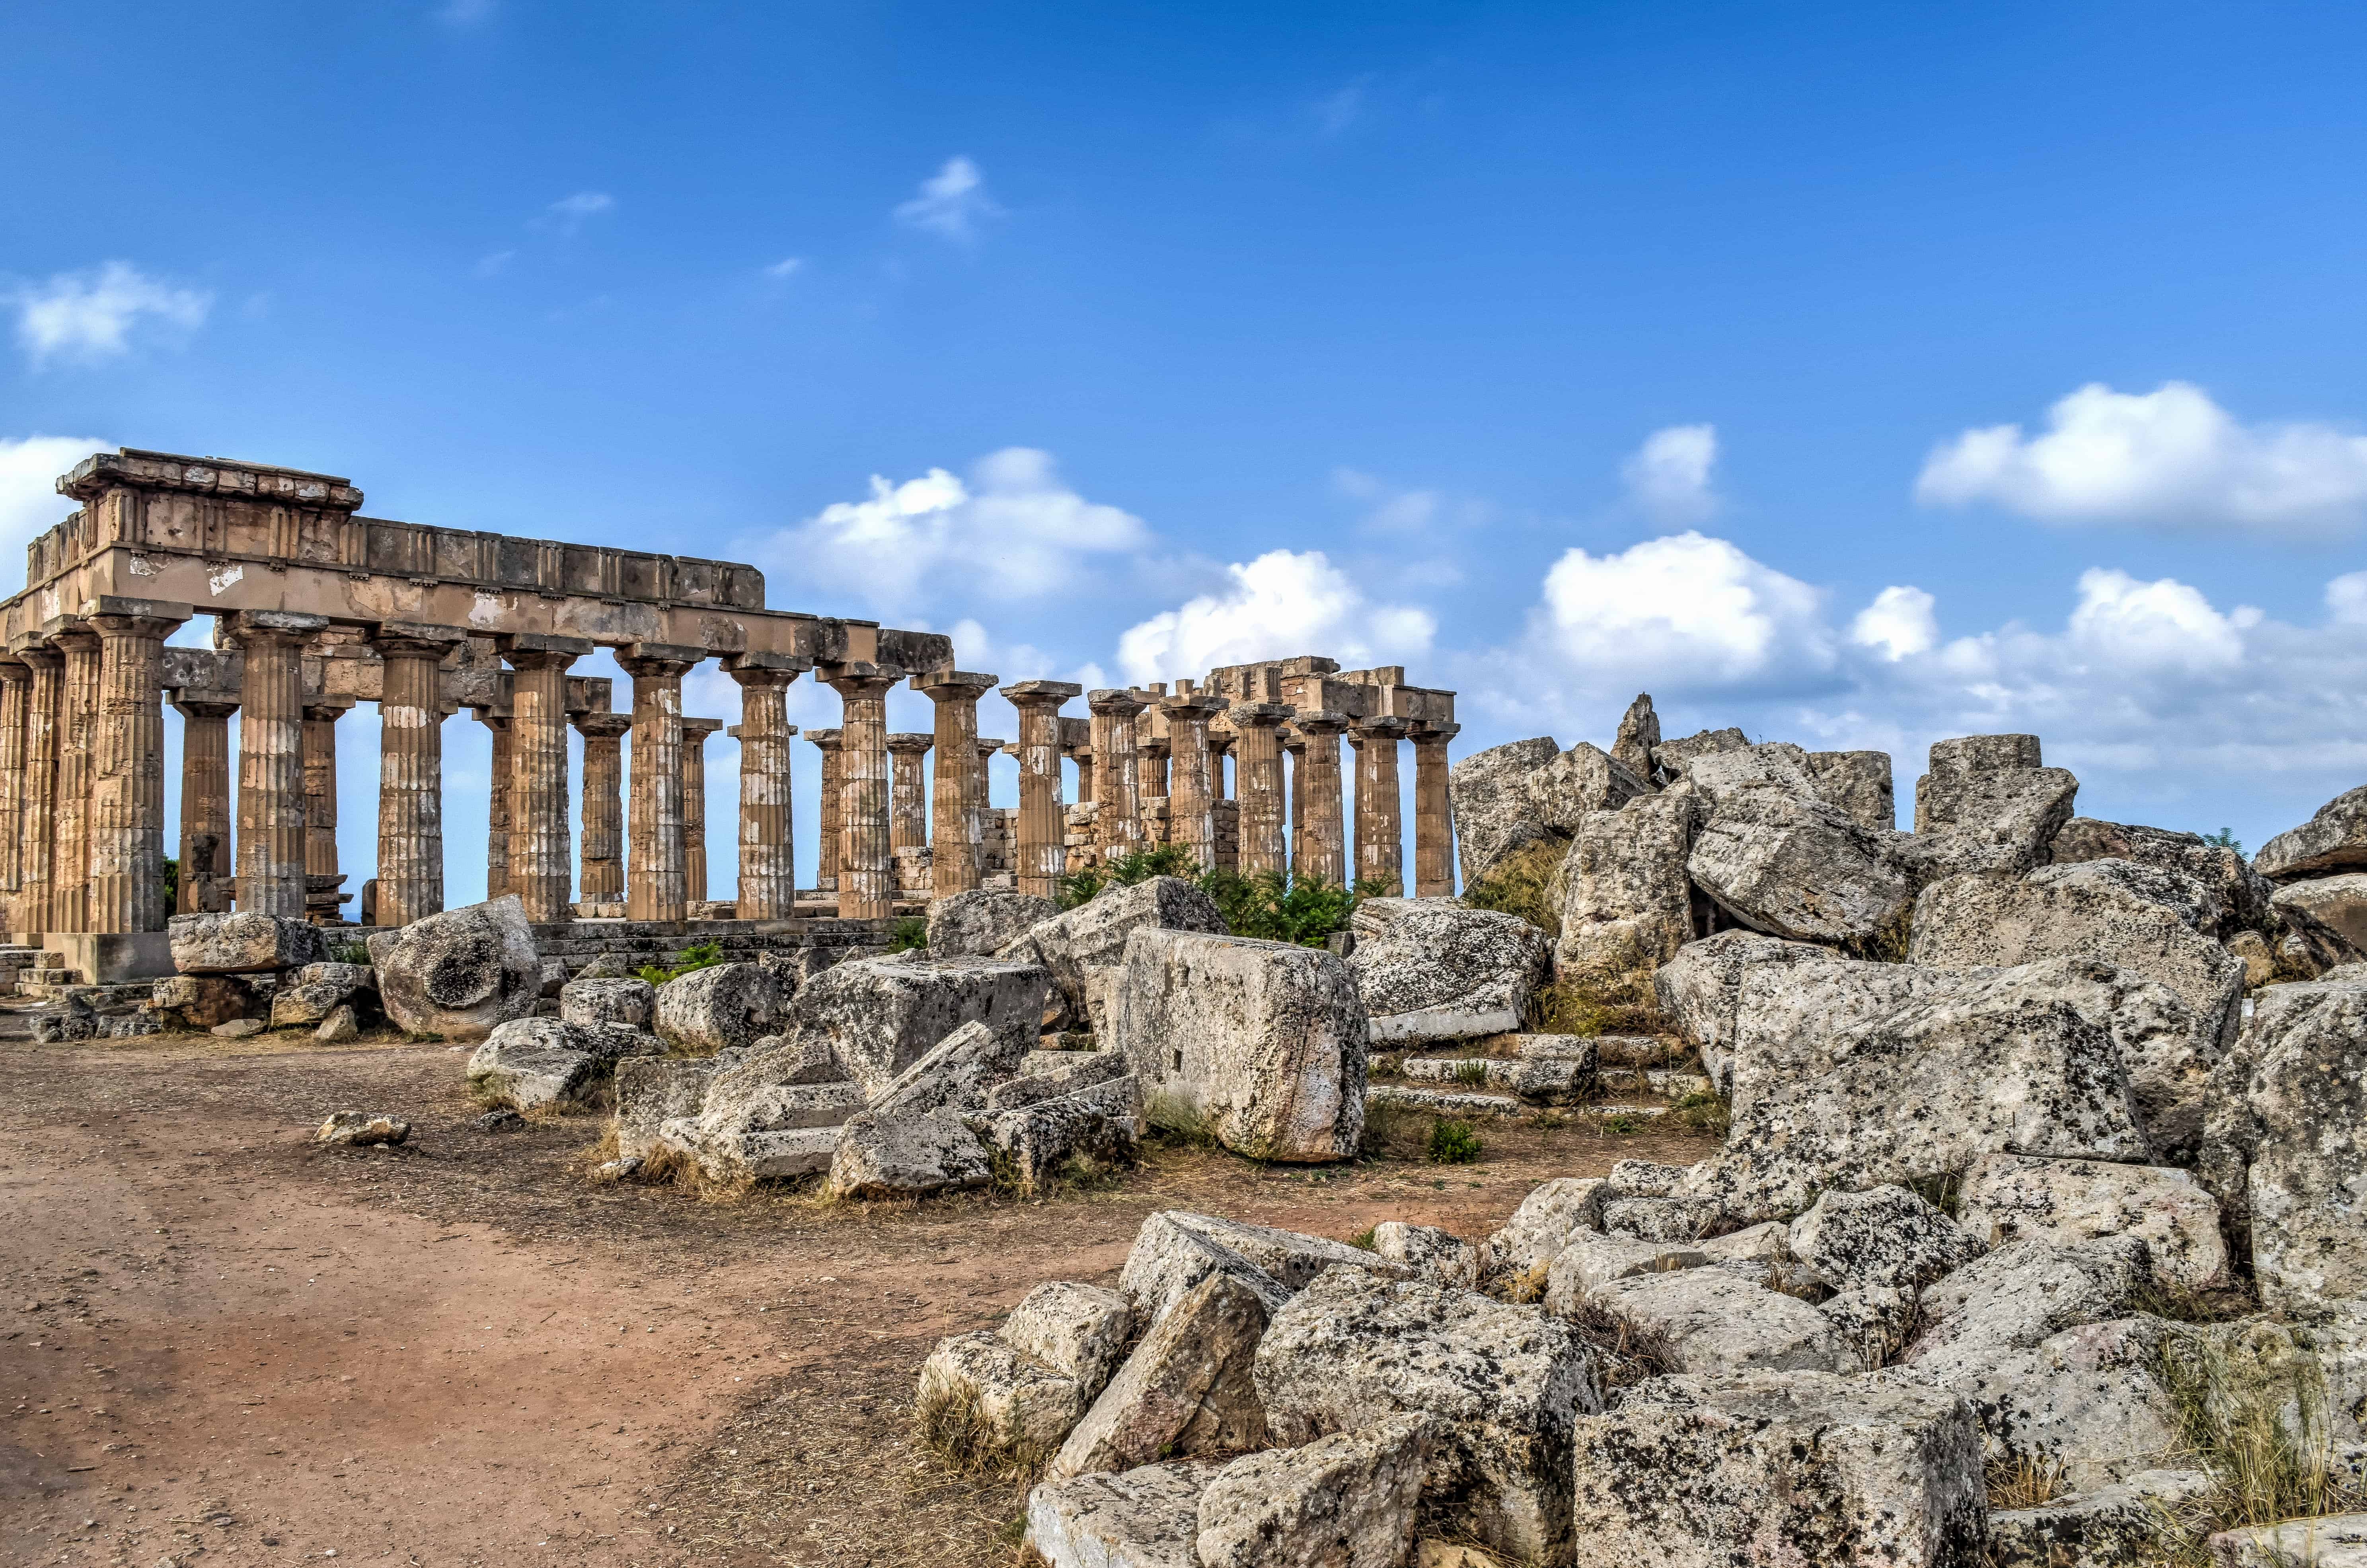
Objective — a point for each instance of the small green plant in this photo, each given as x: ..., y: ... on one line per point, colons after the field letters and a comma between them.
x: 1075, y: 887
x: 169, y: 875
x: 910, y: 934
x: 1701, y: 1111
x: 2225, y: 839
x: 1364, y: 1238
x: 351, y: 952
x: 697, y: 955
x: 1269, y: 905
x: 1471, y: 1072
x: 1623, y: 1123
x: 1453, y: 1143
x: 1521, y: 883
x: 1179, y: 1125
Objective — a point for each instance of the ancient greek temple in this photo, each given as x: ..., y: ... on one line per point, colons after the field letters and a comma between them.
x: 318, y: 609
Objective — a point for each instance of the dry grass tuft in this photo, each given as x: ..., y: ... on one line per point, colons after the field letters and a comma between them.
x: 948, y: 1424
x: 1523, y: 884
x: 1627, y: 1005
x: 1624, y: 1354
x: 2022, y: 1482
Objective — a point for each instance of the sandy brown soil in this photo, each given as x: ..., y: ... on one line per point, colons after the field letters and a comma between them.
x: 221, y: 1344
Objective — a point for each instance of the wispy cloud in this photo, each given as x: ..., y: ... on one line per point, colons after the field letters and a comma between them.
x: 570, y: 213
x: 29, y: 468
x: 1335, y: 112
x: 90, y: 316
x: 467, y: 12
x: 784, y: 269
x: 953, y: 202
x: 495, y: 264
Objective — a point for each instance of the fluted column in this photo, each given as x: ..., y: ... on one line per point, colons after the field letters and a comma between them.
x: 1433, y: 816
x: 542, y: 858
x: 1041, y: 857
x: 497, y: 800
x: 1117, y: 771
x: 1380, y: 826
x: 205, y: 843
x: 602, y: 846
x: 16, y: 694
x: 77, y: 724
x: 830, y: 810
x: 867, y: 877
x: 271, y: 813
x: 1323, y: 838
x: 1191, y: 803
x: 908, y: 796
x: 127, y: 801
x: 654, y: 887
x: 1220, y: 746
x: 1294, y: 751
x: 37, y: 837
x: 321, y: 875
x: 768, y: 867
x: 989, y: 748
x: 1257, y: 735
x: 957, y: 813
x: 410, y: 771
x: 1150, y: 754
x: 695, y: 732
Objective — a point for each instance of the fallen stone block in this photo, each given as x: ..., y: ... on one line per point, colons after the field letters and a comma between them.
x: 2337, y: 902
x: 1085, y: 949
x: 1662, y: 1219
x: 2018, y: 1295
x: 1080, y: 1331
x: 340, y: 1026
x: 2010, y: 1198
x: 1186, y: 1389
x: 2239, y: 894
x: 1700, y: 990
x: 1513, y: 1260
x: 247, y: 942
x: 876, y: 1017
x: 901, y: 1154
x: 1588, y: 1260
x: 976, y: 924
x: 653, y: 1092
x: 956, y: 1073
x: 1884, y: 1238
x: 1859, y: 783
x: 594, y: 1001
x: 1791, y: 866
x: 2088, y: 1401
x: 1344, y: 1501
x: 2334, y: 839
x: 2108, y: 1528
x: 1101, y: 1126
x: 201, y: 1001
x: 362, y: 1127
x: 532, y: 1062
x: 979, y: 1394
x: 1438, y: 1256
x: 1625, y: 901
x: 461, y: 974
x: 1147, y: 1518
x: 2336, y: 1540
x: 1446, y: 972
x: 723, y: 1007
x: 1714, y: 1322
x: 1170, y: 1257
x: 1292, y: 1258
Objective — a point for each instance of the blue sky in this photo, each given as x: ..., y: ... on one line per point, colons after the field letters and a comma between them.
x: 1856, y: 373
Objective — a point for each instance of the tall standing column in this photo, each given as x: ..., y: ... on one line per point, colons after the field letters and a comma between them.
x: 1257, y: 735
x: 271, y: 827
x: 908, y: 794
x: 126, y: 799
x: 1150, y: 754
x: 602, y: 847
x: 989, y: 747
x: 1190, y: 805
x: 542, y: 858
x: 1220, y: 747
x: 1380, y: 826
x: 867, y: 879
x: 1323, y: 856
x: 77, y: 723
x: 410, y: 771
x: 1117, y: 771
x: 768, y: 866
x: 1433, y: 816
x: 1041, y: 857
x: 205, y: 794
x: 1294, y: 751
x: 654, y: 887
x: 958, y: 813
x: 830, y: 810
x: 695, y: 732
x: 503, y: 765
x: 16, y: 694
x: 321, y: 875
x: 37, y: 837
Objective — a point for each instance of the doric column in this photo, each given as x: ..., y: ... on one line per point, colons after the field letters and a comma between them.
x: 497, y: 800
x: 1380, y: 828
x: 77, y: 725
x: 410, y: 771
x: 958, y: 813
x: 989, y: 748
x: 768, y: 866
x: 1116, y: 770
x: 831, y: 808
x: 1220, y: 746
x: 1041, y: 857
x: 1434, y: 817
x: 1150, y: 753
x: 271, y: 825
x: 866, y: 876
x: 542, y: 858
x: 205, y: 793
x: 1294, y: 751
x: 655, y: 886
x: 908, y: 796
x: 602, y: 846
x: 15, y: 693
x: 126, y: 796
x: 1257, y: 733
x: 1191, y: 803
x: 1323, y: 838
x: 321, y: 875
x: 37, y: 837
x: 695, y: 732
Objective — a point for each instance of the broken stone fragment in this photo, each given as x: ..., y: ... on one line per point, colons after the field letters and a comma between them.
x: 1441, y: 1257
x: 1170, y: 1258
x: 720, y: 1008
x: 1588, y: 1261
x: 239, y: 1027
x: 1882, y: 1238
x: 876, y: 1017
x: 1512, y: 1262
x: 2087, y: 1403
x: 904, y: 1155
x: 1712, y: 1321
x: 1700, y: 990
x: 2018, y: 1295
x: 1078, y: 1330
x: 201, y: 1002
x: 1003, y: 1404
x: 653, y: 1090
x: 977, y: 923
x: 956, y: 1074
x: 1344, y: 1501
x: 245, y: 943
x: 2106, y: 1528
x: 362, y: 1127
x: 598, y: 1000
x: 2010, y: 1198
x: 1147, y: 1518
x: 2333, y: 839
x: 340, y: 1026
x: 1186, y: 1389
x: 1052, y: 1075
x: 1085, y: 949
x: 461, y: 974
x: 1101, y: 1125
x: 1444, y: 972
x: 1622, y: 893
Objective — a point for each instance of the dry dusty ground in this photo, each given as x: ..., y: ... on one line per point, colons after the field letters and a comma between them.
x: 221, y: 1344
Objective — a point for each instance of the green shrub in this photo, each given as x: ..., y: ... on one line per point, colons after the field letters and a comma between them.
x: 1364, y: 1238
x: 1627, y: 1005
x: 697, y: 955
x: 1453, y: 1143
x: 912, y: 933
x: 1471, y: 1072
x: 351, y: 952
x: 1521, y: 885
x: 1073, y: 888
x: 1269, y: 905
x: 2225, y: 839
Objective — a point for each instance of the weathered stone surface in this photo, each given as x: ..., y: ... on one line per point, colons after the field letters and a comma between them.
x: 2239, y: 893
x: 2336, y: 1540
x: 1293, y: 1258
x: 1266, y: 1039
x: 587, y: 1002
x: 1174, y: 1250
x: 1859, y: 783
x: 459, y: 974
x: 1023, y: 1407
x: 1489, y: 791
x: 903, y: 1155
x: 1884, y: 1238
x: 1780, y: 1468
x: 1582, y: 781
x: 977, y: 923
x: 1351, y: 1350
x: 1080, y: 1331
x: 1791, y: 866
x: 653, y: 1090
x: 1438, y: 1256
x: 1673, y: 757
x: 1977, y: 810
x: 532, y: 1062
x: 1050, y: 1075
x: 2194, y: 902
x: 1147, y: 1518
x: 1622, y: 890
x: 340, y: 1026
x: 1588, y: 1261
x: 878, y: 1016
x: 1700, y: 990
x: 361, y: 1127
x: 1513, y: 1260
x: 1444, y: 972
x: 2018, y: 1295
x: 720, y: 1008
x: 2338, y: 902
x: 2010, y: 1198
x: 2086, y: 1401
x: 2334, y: 839
x: 1187, y: 1388
x: 1100, y: 1123
x: 1085, y: 949
x: 956, y: 1074
x: 2108, y: 1528
x: 1662, y: 1218
x: 247, y: 942
x: 1715, y: 1322
x: 1344, y: 1501
x: 1640, y: 732
x: 201, y: 1001
x: 320, y: 989
x: 236, y: 1029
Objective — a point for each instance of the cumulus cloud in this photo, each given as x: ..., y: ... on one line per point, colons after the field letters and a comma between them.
x: 1685, y: 610
x: 29, y: 503
x: 91, y: 315
x: 952, y: 203
x: 1284, y: 603
x: 1013, y: 531
x: 1898, y: 622
x: 2171, y: 458
x: 1668, y: 475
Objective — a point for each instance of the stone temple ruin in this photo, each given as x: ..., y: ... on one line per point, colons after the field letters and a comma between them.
x: 319, y: 608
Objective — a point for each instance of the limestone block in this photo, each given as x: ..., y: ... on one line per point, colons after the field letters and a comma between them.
x: 247, y: 942
x: 2338, y: 902
x: 2333, y: 839
x: 2022, y: 1294
x: 1442, y: 972
x: 1643, y: 1178
x: 1085, y: 949
x: 2009, y: 1198
x: 1514, y: 1258
x: 1795, y: 867
x: 1676, y: 756
x: 1700, y: 990
x: 1351, y: 1350
x: 1174, y: 1251
x: 1050, y: 1074
x: 2108, y: 1528
x: 2239, y: 893
x: 1147, y: 1518
x: 1716, y: 1321
x: 315, y: 991
x: 653, y: 1090
x: 2001, y: 820
x: 1799, y: 1467
x: 1884, y: 1238
x: 1640, y: 732
x: 1265, y: 1040
x: 1859, y: 783
x: 2336, y: 1540
x: 1080, y: 1331
x: 201, y: 1001
x: 904, y: 1155
x: 1588, y: 1260
x: 1661, y: 1219
x: 956, y: 1074
x: 1101, y: 1125
x: 1022, y: 1407
x: 353, y: 1128
x: 340, y: 1026
x: 534, y: 1062
x: 1768, y: 1243
x: 1438, y: 1256
x: 1623, y: 891
x: 461, y: 973
x: 2304, y: 1108
x: 976, y: 924
x: 782, y: 1153
x: 1490, y: 796
x: 720, y: 1008
x: 2193, y: 901
x: 1187, y: 1388
x: 2086, y: 1401
x: 626, y: 1001
x: 1291, y: 1258
x: 878, y: 1016
x: 1344, y: 1501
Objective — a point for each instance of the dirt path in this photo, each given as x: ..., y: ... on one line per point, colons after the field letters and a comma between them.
x: 221, y: 1344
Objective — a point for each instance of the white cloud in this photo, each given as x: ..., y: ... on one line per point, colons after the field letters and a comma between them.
x: 976, y: 649
x: 1668, y: 475
x: 2127, y: 624
x: 90, y: 315
x: 570, y: 213
x: 1898, y: 622
x: 466, y: 12
x: 1335, y: 112
x: 2346, y: 598
x: 29, y: 503
x: 952, y: 202
x: 2169, y: 459
x: 784, y: 269
x: 494, y: 264
x: 1284, y: 603
x: 1686, y: 609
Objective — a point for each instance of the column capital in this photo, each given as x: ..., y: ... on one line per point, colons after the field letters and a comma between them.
x: 69, y: 632
x: 14, y: 667
x: 1380, y: 726
x: 1435, y: 735
x: 734, y: 730
x: 911, y: 743
x: 658, y: 658
x: 700, y: 728
x: 1193, y: 707
x: 327, y: 708
x: 416, y: 636
x: 271, y: 625
x: 206, y: 705
x: 990, y: 745
x: 604, y: 725
x: 1040, y: 695
x: 540, y: 650
x: 858, y: 679
x: 1155, y: 745
x: 823, y: 740
x: 1321, y: 721
x: 788, y: 665
x: 152, y: 617
x: 953, y: 686
x: 1115, y: 702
